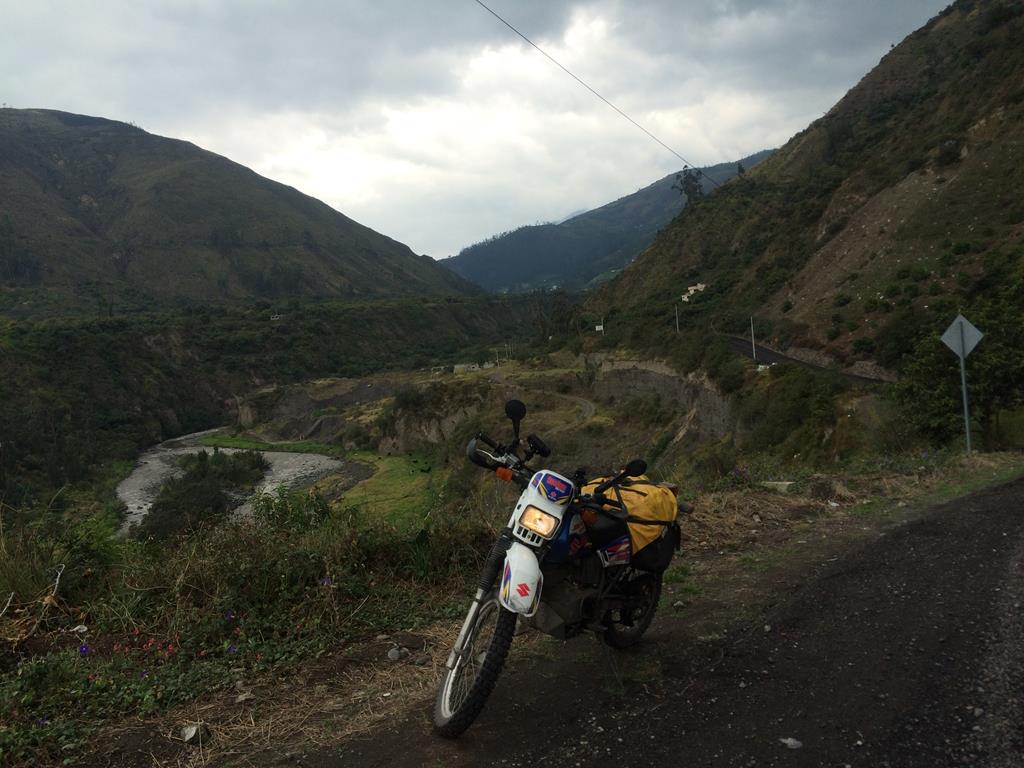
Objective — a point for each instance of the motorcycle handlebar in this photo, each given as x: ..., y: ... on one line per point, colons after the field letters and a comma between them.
x: 487, y: 441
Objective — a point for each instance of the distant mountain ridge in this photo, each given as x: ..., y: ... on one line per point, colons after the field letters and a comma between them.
x: 94, y: 209
x: 585, y: 248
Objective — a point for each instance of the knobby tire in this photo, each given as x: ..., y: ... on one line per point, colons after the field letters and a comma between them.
x: 630, y: 636
x: 494, y: 659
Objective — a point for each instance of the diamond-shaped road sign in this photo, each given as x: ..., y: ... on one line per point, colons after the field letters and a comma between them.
x: 961, y: 336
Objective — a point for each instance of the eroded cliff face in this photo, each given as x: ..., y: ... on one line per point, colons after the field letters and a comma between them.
x: 593, y: 410
x: 704, y: 412
x: 412, y: 431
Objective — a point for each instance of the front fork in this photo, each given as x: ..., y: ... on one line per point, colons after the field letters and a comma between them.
x: 488, y: 576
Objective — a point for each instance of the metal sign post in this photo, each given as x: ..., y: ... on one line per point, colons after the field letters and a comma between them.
x: 962, y: 337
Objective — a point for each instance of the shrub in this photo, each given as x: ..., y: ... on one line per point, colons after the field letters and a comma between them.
x: 919, y: 273
x: 200, y: 495
x: 842, y: 299
x: 864, y: 346
x: 790, y: 411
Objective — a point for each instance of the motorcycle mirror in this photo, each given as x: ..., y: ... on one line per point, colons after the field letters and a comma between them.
x: 516, y: 411
x: 635, y: 468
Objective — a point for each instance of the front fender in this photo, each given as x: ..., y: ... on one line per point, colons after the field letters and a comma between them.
x: 521, y: 580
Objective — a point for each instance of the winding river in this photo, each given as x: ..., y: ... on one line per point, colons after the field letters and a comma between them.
x: 159, y: 463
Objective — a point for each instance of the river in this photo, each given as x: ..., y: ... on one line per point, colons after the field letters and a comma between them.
x: 160, y: 463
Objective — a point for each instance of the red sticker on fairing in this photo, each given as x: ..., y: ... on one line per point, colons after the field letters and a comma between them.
x: 523, y: 589
x: 555, y: 489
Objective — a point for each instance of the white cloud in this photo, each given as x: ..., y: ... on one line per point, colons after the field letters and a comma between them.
x: 431, y: 122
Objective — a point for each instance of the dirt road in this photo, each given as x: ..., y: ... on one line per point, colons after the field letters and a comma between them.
x: 904, y: 651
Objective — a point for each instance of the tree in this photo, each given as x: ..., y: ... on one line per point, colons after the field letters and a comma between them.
x: 740, y: 170
x: 688, y: 183
x: 930, y: 380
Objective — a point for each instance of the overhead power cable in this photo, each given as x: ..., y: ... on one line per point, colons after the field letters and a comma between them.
x: 579, y: 80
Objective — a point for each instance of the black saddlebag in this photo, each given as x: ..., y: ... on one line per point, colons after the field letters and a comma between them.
x: 657, y: 555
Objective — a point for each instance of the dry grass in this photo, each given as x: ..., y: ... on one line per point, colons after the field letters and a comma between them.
x: 352, y: 692
x: 728, y: 519
x: 328, y: 701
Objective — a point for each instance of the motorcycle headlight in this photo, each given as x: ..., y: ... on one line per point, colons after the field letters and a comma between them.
x: 538, y: 521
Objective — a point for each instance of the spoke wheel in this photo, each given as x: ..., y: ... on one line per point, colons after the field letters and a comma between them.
x: 465, y: 687
x: 625, y: 626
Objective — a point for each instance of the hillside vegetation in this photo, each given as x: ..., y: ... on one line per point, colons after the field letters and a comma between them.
x: 585, y: 249
x: 864, y: 235
x: 78, y: 392
x: 892, y: 200
x: 100, y: 214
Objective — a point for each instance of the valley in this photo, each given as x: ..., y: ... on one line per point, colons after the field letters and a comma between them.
x: 238, y: 524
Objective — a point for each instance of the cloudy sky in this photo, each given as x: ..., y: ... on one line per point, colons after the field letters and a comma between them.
x: 431, y: 121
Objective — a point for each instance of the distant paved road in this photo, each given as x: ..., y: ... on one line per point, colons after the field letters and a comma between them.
x: 766, y: 355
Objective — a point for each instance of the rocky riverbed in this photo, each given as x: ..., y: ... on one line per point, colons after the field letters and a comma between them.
x: 161, y: 462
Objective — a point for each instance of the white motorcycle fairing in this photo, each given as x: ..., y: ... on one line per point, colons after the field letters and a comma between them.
x: 521, y: 580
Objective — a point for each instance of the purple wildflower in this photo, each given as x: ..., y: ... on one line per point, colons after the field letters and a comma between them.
x: 229, y: 616
x: 83, y: 649
x: 325, y: 581
x: 232, y: 649
x: 143, y: 675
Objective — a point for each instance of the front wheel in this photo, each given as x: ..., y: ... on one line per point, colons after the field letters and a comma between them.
x: 469, y: 680
x: 626, y: 625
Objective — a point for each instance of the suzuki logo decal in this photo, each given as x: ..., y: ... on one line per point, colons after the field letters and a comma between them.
x: 523, y: 589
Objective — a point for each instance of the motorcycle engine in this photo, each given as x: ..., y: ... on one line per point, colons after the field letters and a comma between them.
x: 569, y: 599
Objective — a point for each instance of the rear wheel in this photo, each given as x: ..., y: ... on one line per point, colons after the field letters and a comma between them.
x: 466, y: 686
x: 626, y: 625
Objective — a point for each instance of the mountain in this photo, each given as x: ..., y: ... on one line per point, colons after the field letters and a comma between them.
x: 586, y: 248
x: 898, y: 207
x: 98, y: 210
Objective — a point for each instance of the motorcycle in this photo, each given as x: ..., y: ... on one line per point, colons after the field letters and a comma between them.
x: 563, y: 565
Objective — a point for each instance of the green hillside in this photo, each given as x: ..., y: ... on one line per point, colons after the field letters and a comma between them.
x: 876, y: 223
x: 76, y: 392
x: 95, y: 213
x: 585, y: 249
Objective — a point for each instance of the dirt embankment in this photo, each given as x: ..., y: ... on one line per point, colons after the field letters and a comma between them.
x: 404, y: 413
x: 708, y: 414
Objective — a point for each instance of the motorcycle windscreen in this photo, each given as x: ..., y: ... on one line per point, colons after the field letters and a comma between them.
x: 521, y: 580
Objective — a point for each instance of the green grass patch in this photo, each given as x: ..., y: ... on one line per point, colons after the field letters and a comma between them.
x: 682, y: 582
x: 948, y: 477
x: 402, y: 490
x: 768, y: 559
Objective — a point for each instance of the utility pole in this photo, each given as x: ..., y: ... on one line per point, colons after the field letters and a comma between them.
x: 753, y: 346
